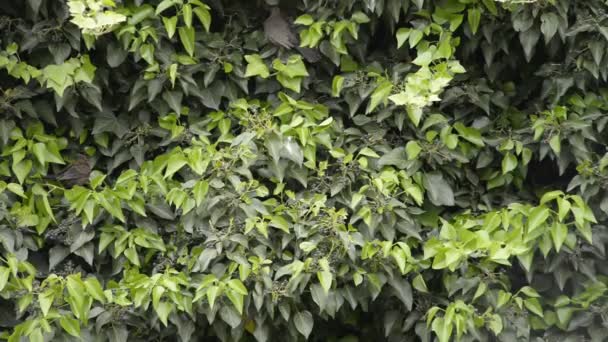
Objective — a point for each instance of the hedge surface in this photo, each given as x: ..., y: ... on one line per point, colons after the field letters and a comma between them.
x: 330, y: 170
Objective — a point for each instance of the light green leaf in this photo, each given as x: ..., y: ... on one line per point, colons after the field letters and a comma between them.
x: 187, y: 15
x: 45, y: 300
x: 442, y: 328
x: 256, y: 66
x: 559, y: 233
x: 563, y: 207
x: 5, y: 272
x: 551, y: 195
x: 369, y: 153
x: 413, y: 149
x: 163, y: 310
x: 170, y: 25
x: 537, y: 217
x: 204, y: 16
x: 17, y: 189
x: 380, y: 95
x: 402, y: 35
x: 36, y: 335
x: 530, y: 292
x: 325, y: 278
x: 305, y: 19
x: 186, y: 36
x: 495, y: 323
x: 212, y: 293
x: 415, y: 114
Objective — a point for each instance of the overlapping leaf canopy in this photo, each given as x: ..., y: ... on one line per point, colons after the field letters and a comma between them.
x: 439, y: 174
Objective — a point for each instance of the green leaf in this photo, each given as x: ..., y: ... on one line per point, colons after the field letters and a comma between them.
x: 419, y: 284
x: 491, y: 6
x: 503, y: 298
x: 559, y: 233
x: 22, y: 170
x: 113, y: 206
x: 237, y: 286
x: 36, y: 335
x: 141, y: 13
x: 474, y: 17
x: 439, y: 191
x: 200, y: 191
x: 534, y: 306
x: 537, y: 217
x: 237, y: 300
x: 530, y: 292
x: 186, y: 36
x: 470, y: 134
x: 368, y: 152
x: 163, y: 5
x: 549, y: 25
x: 424, y: 57
x: 360, y: 18
x: 495, y: 324
x: 70, y: 325
x: 563, y: 206
x: 415, y: 37
x: 17, y: 189
x: 528, y: 40
x: 304, y: 322
x: 94, y: 289
x: 585, y: 230
x: 174, y: 164
x: 556, y: 144
x: 481, y: 289
x: 442, y: 328
x: 509, y: 163
x: 280, y: 223
x: 336, y: 85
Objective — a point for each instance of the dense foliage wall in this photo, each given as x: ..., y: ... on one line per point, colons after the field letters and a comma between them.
x: 333, y: 170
